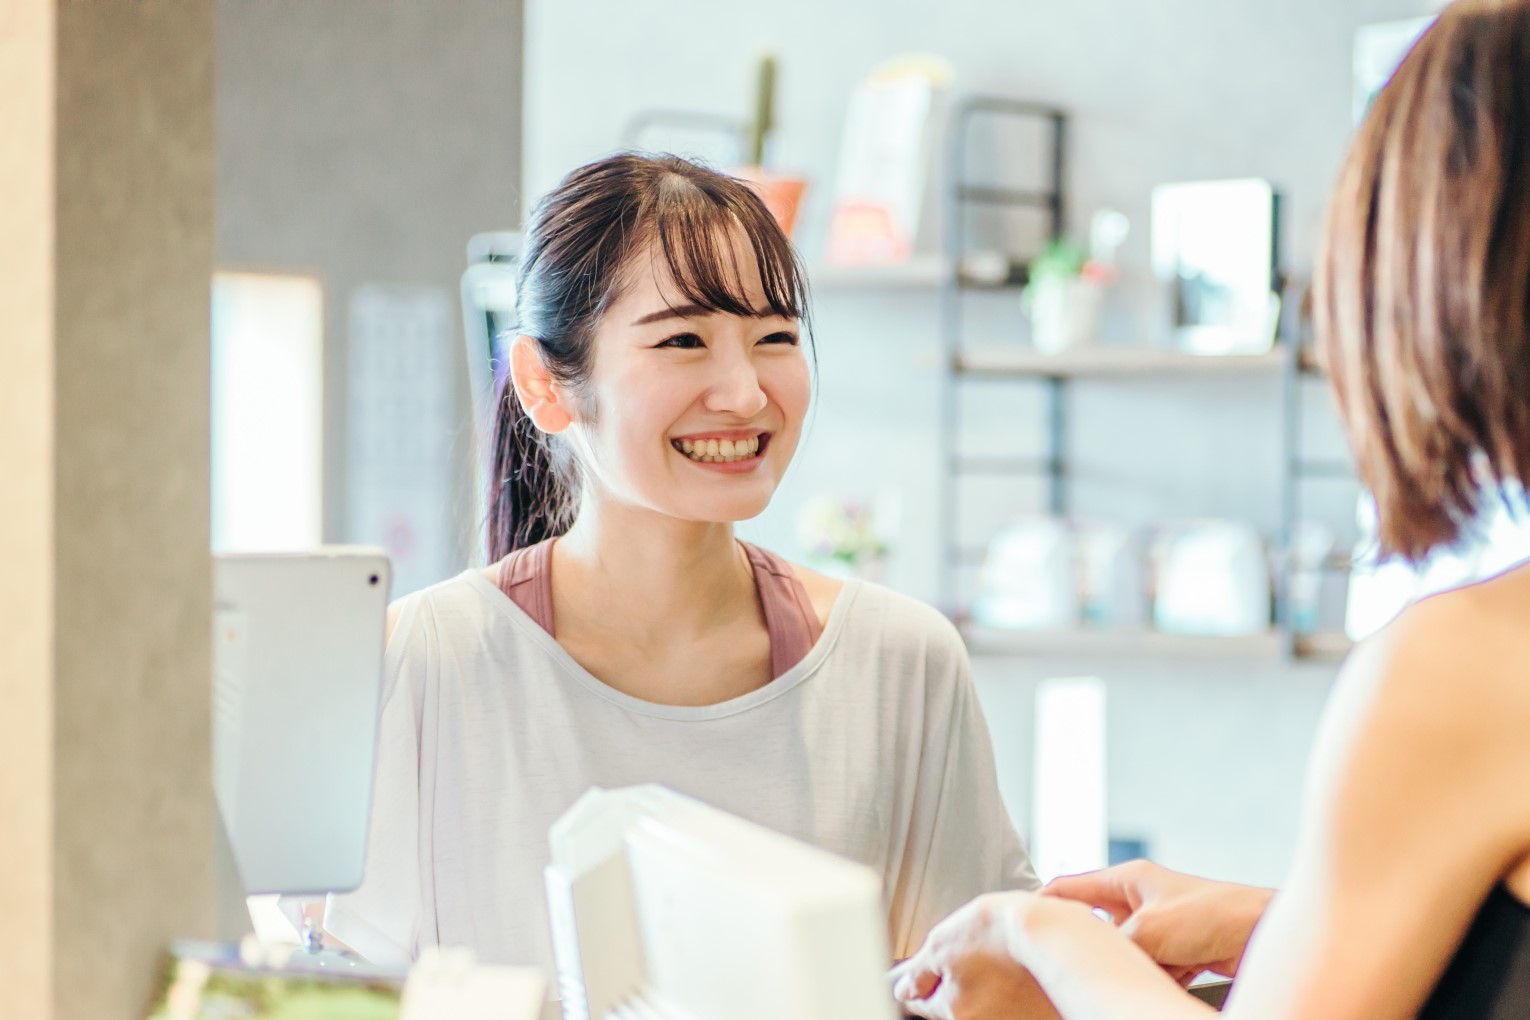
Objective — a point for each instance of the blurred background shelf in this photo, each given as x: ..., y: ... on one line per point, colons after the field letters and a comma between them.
x: 1104, y: 362
x: 1083, y: 644
x: 921, y: 272
x: 1322, y: 647
x: 924, y: 271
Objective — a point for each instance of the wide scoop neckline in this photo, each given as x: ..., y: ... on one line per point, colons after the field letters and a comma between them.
x: 780, y: 685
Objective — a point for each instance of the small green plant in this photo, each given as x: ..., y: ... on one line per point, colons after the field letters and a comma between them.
x: 1059, y: 259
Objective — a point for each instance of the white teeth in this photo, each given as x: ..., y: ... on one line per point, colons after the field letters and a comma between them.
x: 719, y: 451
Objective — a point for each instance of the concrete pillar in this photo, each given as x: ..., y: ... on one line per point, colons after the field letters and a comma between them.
x: 106, y: 234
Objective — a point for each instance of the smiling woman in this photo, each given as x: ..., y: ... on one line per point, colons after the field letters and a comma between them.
x: 676, y: 272
x: 656, y: 395
x: 689, y: 342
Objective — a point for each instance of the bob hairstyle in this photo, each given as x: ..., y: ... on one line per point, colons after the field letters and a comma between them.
x: 1422, y: 296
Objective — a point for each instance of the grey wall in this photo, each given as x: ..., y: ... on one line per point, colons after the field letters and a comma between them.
x: 1205, y: 760
x: 1205, y: 757
x: 106, y: 815
x: 365, y: 142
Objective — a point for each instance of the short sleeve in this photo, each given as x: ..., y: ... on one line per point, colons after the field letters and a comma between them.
x: 383, y: 918
x: 963, y: 842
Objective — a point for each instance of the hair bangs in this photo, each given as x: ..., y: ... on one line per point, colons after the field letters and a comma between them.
x: 713, y: 239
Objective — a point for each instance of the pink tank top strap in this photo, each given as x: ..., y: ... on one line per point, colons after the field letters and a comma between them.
x: 525, y: 576
x: 789, y: 613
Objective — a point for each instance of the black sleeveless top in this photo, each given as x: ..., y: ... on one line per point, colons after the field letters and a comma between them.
x: 1489, y: 977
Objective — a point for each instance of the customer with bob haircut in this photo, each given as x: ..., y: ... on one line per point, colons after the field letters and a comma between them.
x: 1409, y: 894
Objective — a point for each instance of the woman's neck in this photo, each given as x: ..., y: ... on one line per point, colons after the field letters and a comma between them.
x: 642, y: 573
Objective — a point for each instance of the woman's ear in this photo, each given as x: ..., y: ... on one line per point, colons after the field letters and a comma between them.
x: 544, y: 399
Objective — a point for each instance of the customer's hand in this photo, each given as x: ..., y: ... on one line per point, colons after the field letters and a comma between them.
x: 966, y: 971
x: 1188, y: 925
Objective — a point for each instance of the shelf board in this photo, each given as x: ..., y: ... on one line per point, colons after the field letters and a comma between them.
x: 1323, y: 647
x: 921, y: 271
x: 1111, y: 362
x: 989, y: 642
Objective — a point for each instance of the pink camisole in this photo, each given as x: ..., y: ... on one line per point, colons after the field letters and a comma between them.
x: 525, y: 576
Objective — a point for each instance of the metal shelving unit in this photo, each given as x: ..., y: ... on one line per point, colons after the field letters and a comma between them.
x: 960, y: 194
x: 1291, y: 360
x: 964, y: 364
x: 1297, y: 471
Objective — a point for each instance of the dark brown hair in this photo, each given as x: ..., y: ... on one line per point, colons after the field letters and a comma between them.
x: 582, y: 245
x: 1423, y: 284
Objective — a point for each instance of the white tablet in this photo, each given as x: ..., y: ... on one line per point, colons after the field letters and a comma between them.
x: 297, y: 664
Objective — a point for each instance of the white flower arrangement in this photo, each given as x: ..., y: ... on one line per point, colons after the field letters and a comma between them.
x: 840, y: 534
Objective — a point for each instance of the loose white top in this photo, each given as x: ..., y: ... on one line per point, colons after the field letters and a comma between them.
x: 872, y: 747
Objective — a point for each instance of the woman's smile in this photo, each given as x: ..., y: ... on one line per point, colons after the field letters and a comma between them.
x: 731, y: 451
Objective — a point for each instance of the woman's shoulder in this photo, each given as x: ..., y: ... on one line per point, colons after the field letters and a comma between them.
x: 449, y: 633
x: 1422, y: 746
x: 822, y: 591
x: 413, y: 616
x: 1451, y: 672
x: 1475, y: 635
x: 896, y: 621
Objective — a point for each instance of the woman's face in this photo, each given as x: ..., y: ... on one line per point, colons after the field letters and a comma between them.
x: 696, y: 413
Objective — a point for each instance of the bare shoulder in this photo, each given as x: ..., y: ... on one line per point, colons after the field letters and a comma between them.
x: 1465, y: 650
x: 1442, y: 694
x: 822, y: 591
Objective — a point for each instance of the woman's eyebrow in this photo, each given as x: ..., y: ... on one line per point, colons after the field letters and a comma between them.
x: 683, y: 312
x: 691, y: 311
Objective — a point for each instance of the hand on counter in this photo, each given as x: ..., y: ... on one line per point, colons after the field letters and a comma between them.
x: 1187, y: 925
x: 966, y: 968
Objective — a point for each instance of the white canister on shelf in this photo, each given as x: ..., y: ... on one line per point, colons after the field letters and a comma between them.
x: 1213, y: 580
x: 1311, y: 545
x: 1064, y: 312
x: 1112, y: 589
x: 1029, y: 579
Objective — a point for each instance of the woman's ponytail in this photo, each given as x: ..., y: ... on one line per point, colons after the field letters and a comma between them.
x: 530, y: 496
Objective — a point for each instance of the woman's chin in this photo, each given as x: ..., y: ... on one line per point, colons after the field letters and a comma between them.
x: 714, y: 510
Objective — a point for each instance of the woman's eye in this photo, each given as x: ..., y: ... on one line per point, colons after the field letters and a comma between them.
x: 781, y: 338
x: 684, y: 341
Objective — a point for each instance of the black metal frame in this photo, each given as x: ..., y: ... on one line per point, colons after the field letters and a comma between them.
x: 958, y: 194
x: 1296, y: 468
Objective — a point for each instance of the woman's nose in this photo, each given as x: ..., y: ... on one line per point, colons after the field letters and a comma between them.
x: 736, y: 389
